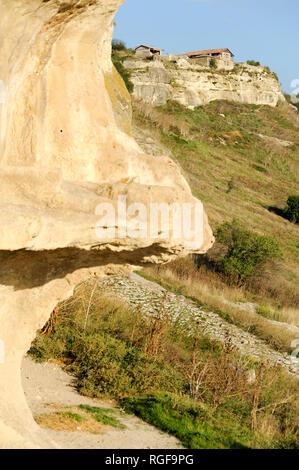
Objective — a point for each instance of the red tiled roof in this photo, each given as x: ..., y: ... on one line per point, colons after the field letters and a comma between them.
x: 148, y: 47
x: 207, y: 51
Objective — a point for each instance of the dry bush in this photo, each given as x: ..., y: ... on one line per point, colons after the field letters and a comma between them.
x: 209, y: 289
x: 155, y: 327
x: 272, y: 283
x: 217, y: 378
x: 49, y: 327
x: 62, y: 421
x: 289, y: 315
x: 274, y: 399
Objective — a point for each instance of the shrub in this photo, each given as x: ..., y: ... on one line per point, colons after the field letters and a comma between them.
x: 124, y: 73
x: 246, y: 250
x: 106, y: 366
x: 253, y: 62
x: 213, y: 63
x: 118, y: 45
x: 107, y: 350
x: 291, y: 210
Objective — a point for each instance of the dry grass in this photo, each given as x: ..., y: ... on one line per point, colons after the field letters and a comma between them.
x: 239, y: 176
x: 207, y: 288
x: 83, y: 418
x: 66, y: 421
x: 289, y: 315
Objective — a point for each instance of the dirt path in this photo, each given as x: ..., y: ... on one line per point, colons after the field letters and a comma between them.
x: 48, y: 388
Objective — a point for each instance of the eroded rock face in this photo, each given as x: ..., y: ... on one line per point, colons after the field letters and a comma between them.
x: 65, y: 148
x: 193, y: 85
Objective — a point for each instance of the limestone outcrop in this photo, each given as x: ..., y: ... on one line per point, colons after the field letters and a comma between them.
x: 65, y: 151
x: 193, y: 85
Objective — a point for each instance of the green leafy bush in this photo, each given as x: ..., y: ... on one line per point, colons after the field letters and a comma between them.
x: 103, y: 356
x: 291, y: 210
x: 253, y: 62
x: 124, y: 73
x: 107, y: 366
x: 213, y: 63
x: 118, y: 45
x: 246, y: 250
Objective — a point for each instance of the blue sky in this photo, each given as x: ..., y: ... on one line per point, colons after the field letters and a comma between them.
x: 263, y: 30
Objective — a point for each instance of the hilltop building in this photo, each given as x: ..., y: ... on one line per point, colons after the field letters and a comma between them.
x: 147, y: 51
x: 223, y: 57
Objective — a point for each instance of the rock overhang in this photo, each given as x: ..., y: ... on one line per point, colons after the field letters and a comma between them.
x: 62, y: 154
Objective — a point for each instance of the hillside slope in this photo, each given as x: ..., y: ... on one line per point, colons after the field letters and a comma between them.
x: 242, y: 161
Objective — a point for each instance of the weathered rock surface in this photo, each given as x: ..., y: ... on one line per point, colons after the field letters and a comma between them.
x: 193, y: 85
x: 64, y: 148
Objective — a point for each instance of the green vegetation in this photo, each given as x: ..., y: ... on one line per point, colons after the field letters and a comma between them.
x: 246, y: 251
x: 167, y: 373
x: 124, y: 73
x: 290, y: 100
x: 253, y: 62
x: 119, y: 54
x: 275, y: 76
x: 73, y: 416
x: 213, y: 63
x: 87, y: 418
x: 106, y: 356
x: 234, y: 163
x: 291, y: 210
x: 187, y: 420
x: 118, y: 45
x: 103, y: 415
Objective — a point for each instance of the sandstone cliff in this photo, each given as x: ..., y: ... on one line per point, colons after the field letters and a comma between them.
x: 194, y: 85
x: 64, y: 149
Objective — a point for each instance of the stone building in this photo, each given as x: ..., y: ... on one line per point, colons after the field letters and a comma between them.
x: 223, y: 57
x: 147, y: 51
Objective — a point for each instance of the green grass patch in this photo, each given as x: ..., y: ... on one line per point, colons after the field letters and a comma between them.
x: 73, y: 416
x: 188, y: 421
x: 103, y: 415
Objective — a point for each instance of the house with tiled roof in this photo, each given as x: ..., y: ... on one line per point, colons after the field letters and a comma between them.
x: 147, y: 51
x: 216, y: 53
x: 223, y: 57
